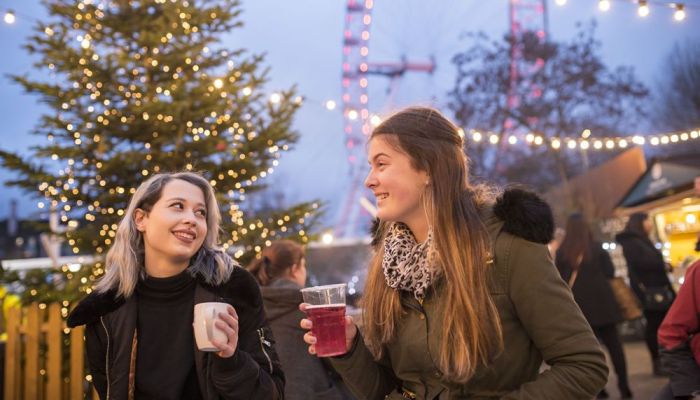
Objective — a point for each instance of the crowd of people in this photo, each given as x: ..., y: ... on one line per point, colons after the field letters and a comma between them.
x: 463, y: 299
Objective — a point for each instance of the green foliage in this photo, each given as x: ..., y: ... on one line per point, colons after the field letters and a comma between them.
x: 139, y: 87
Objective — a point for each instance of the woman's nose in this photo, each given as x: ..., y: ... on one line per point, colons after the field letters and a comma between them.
x: 370, y: 180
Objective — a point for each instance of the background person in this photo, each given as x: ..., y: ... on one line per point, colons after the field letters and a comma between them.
x: 281, y: 272
x: 587, y: 267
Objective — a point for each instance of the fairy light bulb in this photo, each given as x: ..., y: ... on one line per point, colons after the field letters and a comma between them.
x: 679, y: 14
x: 10, y: 17
x: 643, y: 8
x: 604, y: 5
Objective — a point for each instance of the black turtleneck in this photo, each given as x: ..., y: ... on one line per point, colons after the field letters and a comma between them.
x: 165, y: 366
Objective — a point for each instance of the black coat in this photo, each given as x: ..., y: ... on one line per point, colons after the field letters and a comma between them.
x: 307, y: 377
x: 592, y: 289
x: 253, y: 372
x: 645, y: 262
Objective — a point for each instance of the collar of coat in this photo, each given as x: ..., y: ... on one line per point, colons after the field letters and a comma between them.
x: 519, y: 212
x: 238, y: 291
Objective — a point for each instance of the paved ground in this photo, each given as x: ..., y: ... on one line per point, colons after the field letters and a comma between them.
x: 642, y: 382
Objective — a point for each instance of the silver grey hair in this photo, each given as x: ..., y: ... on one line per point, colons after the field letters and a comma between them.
x: 124, y: 261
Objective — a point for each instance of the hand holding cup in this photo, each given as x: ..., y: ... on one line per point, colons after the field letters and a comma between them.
x: 325, y: 309
x: 310, y: 338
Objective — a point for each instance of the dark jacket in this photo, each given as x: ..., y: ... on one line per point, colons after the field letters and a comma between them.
x: 306, y: 376
x: 645, y: 262
x: 253, y: 372
x: 679, y: 336
x: 591, y: 288
x: 538, y: 314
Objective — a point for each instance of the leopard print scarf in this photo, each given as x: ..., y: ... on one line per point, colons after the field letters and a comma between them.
x: 408, y: 265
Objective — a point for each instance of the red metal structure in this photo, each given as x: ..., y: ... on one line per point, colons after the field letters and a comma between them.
x: 524, y: 16
x: 353, y: 220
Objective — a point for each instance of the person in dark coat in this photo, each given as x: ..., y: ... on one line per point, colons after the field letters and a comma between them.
x: 647, y: 270
x: 165, y: 259
x: 679, y: 338
x: 281, y: 272
x: 587, y: 268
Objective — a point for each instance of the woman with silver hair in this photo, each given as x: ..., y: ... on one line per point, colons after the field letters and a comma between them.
x: 165, y: 259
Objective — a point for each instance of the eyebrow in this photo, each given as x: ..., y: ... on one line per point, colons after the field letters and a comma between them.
x: 185, y: 200
x: 379, y: 155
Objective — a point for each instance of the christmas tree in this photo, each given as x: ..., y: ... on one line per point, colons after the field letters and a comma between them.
x: 139, y: 87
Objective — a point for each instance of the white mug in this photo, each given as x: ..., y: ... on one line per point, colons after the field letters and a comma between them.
x: 204, y: 328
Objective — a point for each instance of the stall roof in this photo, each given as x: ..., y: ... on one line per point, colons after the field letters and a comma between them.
x: 663, y: 178
x: 597, y: 192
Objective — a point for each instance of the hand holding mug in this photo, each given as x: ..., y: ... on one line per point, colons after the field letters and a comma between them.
x: 216, y: 328
x: 227, y: 322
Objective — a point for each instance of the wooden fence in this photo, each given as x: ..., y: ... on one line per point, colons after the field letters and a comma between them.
x: 44, y: 360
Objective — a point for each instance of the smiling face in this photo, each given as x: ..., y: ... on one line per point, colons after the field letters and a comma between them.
x: 396, y: 184
x: 174, y: 229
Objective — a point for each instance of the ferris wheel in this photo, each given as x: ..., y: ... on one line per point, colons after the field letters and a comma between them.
x: 398, y: 53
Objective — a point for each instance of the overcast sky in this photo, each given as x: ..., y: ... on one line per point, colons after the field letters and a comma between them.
x: 302, y: 40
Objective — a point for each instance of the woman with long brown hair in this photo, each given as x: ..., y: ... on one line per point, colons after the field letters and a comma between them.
x: 462, y: 299
x: 587, y: 268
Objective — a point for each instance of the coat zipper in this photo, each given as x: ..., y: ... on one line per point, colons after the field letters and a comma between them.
x: 106, y: 356
x: 263, y: 343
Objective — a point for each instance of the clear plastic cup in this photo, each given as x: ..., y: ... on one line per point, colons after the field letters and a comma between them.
x: 326, y: 310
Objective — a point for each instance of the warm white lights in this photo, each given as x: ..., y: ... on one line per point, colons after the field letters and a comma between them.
x: 604, y: 5
x: 679, y: 14
x: 10, y: 17
x: 643, y: 8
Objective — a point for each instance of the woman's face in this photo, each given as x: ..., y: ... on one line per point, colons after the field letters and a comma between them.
x: 396, y: 184
x: 176, y: 226
x: 648, y: 225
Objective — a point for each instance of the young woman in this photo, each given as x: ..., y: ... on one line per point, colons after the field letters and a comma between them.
x: 462, y: 300
x: 587, y: 268
x: 281, y: 271
x: 647, y: 271
x: 165, y: 259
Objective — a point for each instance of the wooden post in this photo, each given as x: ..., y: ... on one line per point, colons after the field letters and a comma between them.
x: 53, y: 357
x: 12, y: 354
x: 77, y: 362
x: 31, y: 370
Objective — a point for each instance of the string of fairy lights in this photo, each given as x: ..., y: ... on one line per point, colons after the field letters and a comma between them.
x: 583, y: 141
x: 679, y: 11
x: 563, y: 142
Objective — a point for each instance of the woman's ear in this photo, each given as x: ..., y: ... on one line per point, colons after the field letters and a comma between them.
x: 140, y: 219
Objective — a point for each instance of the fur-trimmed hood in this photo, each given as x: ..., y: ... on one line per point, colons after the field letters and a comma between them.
x: 526, y: 215
x: 522, y: 213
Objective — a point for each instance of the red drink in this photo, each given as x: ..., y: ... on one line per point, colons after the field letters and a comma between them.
x: 329, y: 328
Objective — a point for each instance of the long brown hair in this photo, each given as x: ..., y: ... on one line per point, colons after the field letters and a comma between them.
x: 577, y: 242
x: 275, y: 261
x: 471, y: 329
